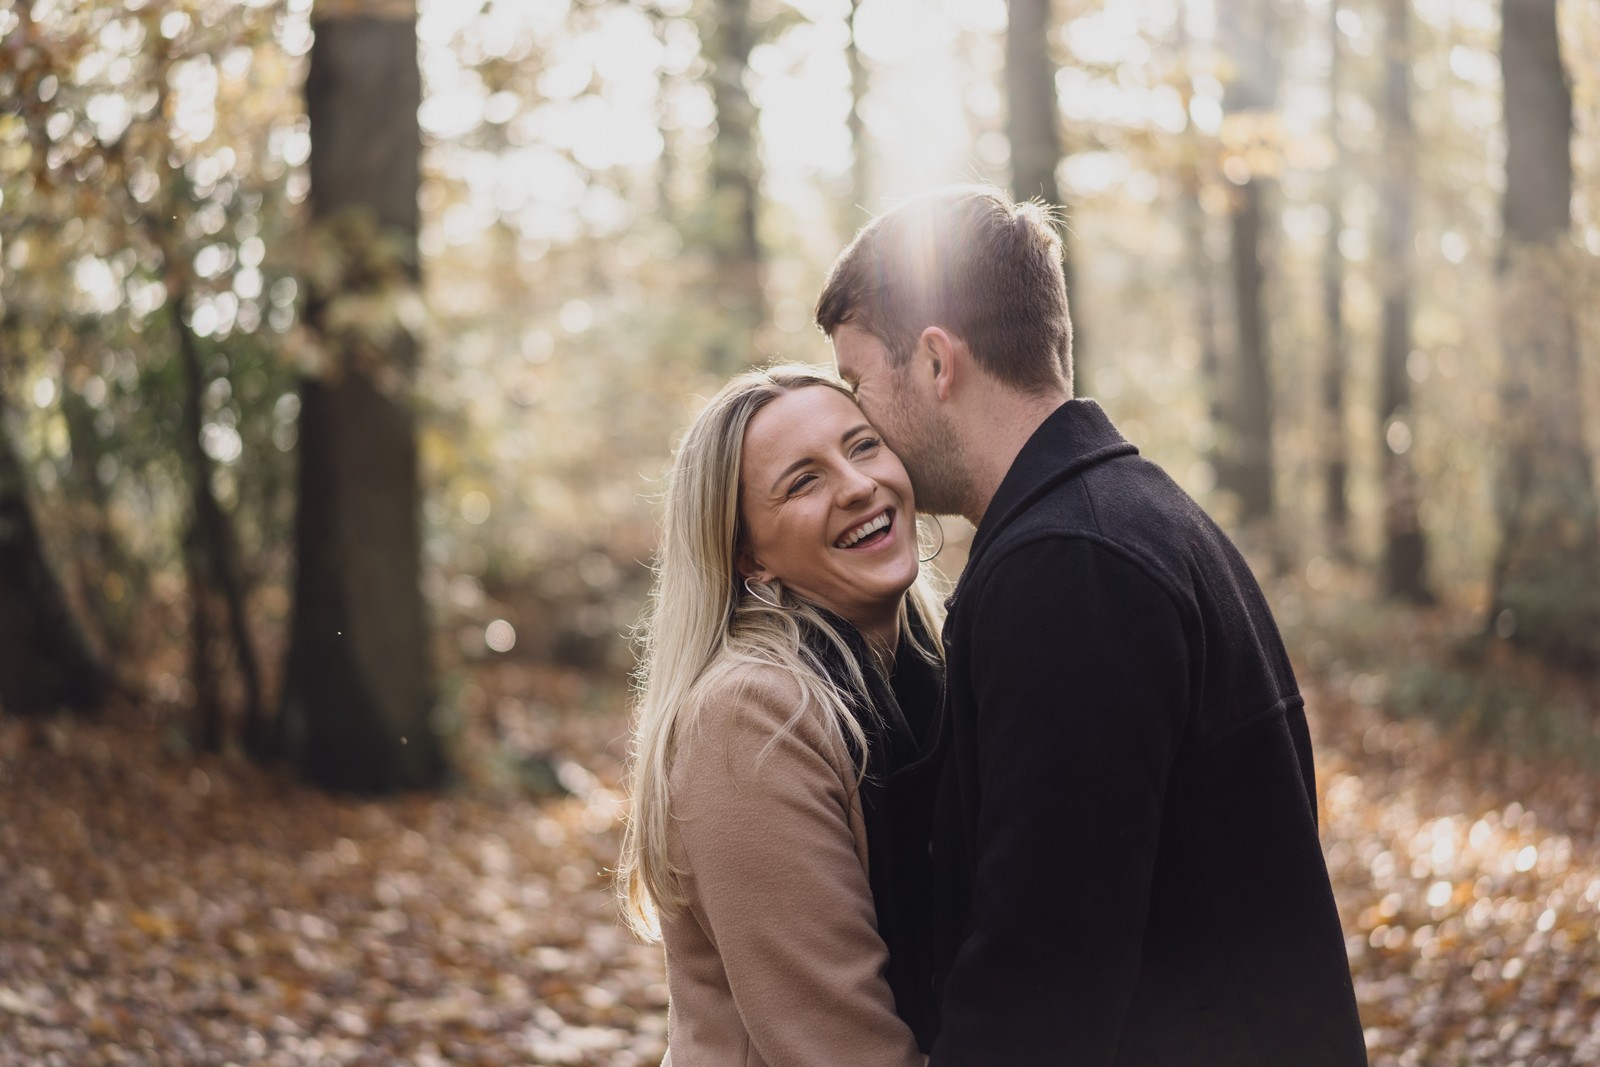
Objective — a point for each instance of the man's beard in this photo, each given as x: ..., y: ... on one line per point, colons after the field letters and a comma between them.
x: 936, y: 460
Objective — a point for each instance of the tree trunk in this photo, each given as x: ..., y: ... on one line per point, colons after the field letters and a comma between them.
x: 1546, y: 576
x: 1404, y: 547
x: 1202, y: 268
x: 358, y: 696
x: 211, y: 559
x: 1249, y: 470
x: 1033, y: 127
x: 111, y: 581
x: 668, y: 122
x: 45, y: 663
x: 857, y: 207
x: 1247, y: 33
x: 1335, y: 447
x: 735, y: 185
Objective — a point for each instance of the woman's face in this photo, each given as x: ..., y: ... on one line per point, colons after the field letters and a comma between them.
x: 827, y: 508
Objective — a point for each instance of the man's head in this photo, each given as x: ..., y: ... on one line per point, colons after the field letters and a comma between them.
x: 959, y: 271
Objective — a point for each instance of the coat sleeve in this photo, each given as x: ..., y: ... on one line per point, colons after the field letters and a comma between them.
x: 1080, y: 677
x: 774, y: 878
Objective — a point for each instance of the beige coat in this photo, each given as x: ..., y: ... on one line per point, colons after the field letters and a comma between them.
x: 777, y: 960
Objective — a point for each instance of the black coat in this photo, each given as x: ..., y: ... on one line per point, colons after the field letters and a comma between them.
x: 1125, y: 850
x: 897, y: 805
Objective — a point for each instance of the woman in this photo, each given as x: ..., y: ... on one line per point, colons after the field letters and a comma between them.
x: 788, y: 679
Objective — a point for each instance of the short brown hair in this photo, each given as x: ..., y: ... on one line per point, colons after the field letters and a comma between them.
x: 969, y: 260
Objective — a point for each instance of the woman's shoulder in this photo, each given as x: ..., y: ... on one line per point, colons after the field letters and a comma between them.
x: 739, y: 689
x: 738, y: 699
x: 741, y: 709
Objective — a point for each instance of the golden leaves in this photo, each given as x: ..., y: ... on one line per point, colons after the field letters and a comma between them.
x: 1469, y: 886
x: 204, y: 912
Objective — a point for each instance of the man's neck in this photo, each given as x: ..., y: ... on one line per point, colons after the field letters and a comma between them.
x: 999, y: 430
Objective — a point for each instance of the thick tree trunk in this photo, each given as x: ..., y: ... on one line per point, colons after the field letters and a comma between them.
x: 45, y: 663
x: 1546, y: 575
x: 1335, y: 446
x: 1246, y: 29
x: 358, y: 695
x: 1033, y: 127
x: 1404, y: 546
x: 735, y: 185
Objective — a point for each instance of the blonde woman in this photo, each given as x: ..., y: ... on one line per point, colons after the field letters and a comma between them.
x: 778, y: 813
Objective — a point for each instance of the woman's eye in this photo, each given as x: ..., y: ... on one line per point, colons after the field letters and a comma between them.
x: 802, y: 483
x: 865, y: 445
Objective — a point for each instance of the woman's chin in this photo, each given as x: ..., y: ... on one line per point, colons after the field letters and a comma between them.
x: 889, y: 582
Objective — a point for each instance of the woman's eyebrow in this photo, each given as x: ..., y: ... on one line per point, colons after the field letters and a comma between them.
x: 805, y: 461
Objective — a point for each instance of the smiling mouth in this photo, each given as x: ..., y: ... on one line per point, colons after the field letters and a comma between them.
x: 868, y: 533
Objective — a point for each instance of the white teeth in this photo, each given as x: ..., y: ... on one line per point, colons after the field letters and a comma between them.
x: 871, y: 526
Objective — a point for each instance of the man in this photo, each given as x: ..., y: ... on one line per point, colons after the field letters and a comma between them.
x: 1126, y: 867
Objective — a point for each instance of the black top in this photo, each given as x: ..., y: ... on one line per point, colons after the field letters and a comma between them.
x: 897, y: 804
x: 1126, y: 859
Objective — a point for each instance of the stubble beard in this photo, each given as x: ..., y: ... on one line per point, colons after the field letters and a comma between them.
x: 934, y: 458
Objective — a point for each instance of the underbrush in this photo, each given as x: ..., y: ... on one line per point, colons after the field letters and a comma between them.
x: 1437, y: 663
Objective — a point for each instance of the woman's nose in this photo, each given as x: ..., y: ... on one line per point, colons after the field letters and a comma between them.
x: 855, y: 486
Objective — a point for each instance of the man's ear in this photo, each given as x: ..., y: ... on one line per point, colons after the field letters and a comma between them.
x: 942, y: 354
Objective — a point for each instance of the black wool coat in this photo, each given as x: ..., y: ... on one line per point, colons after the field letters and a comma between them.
x: 1126, y: 867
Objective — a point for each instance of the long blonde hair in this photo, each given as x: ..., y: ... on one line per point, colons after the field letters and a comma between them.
x: 702, y: 626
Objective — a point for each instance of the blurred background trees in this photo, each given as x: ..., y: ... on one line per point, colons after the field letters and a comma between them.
x: 1033, y: 131
x: 1546, y: 581
x: 342, y: 347
x: 1250, y: 36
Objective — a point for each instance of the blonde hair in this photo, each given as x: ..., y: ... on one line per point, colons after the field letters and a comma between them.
x: 703, y: 628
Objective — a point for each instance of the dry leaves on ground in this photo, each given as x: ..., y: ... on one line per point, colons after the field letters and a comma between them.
x: 156, y: 908
x: 1469, y: 886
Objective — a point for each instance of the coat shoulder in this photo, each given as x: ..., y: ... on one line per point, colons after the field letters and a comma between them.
x: 1127, y: 508
x: 740, y: 715
x: 748, y: 697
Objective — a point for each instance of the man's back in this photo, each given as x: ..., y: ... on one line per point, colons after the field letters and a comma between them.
x: 1126, y: 847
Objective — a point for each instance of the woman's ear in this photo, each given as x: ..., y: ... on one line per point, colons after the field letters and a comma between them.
x: 750, y: 567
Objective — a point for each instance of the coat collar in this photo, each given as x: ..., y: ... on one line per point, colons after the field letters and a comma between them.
x: 1076, y: 436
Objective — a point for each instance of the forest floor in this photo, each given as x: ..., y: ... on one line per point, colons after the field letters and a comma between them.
x: 158, y: 907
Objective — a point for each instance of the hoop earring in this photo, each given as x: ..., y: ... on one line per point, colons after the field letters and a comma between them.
x: 778, y: 604
x: 930, y: 558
